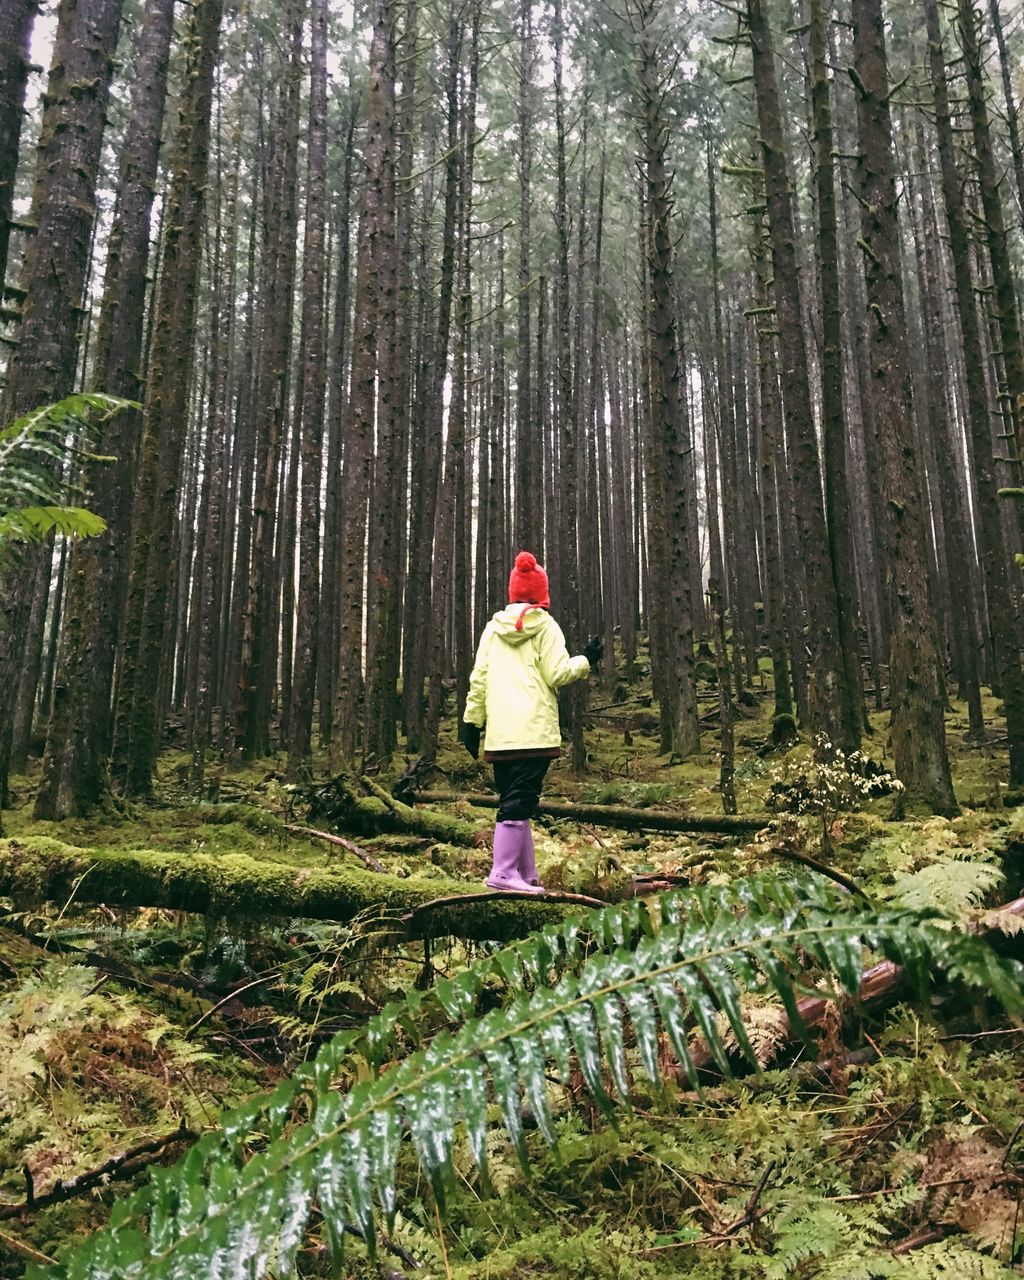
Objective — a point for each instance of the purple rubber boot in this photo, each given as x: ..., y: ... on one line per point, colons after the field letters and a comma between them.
x: 528, y: 862
x: 509, y: 852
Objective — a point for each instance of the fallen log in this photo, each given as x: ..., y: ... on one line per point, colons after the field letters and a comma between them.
x: 610, y: 815
x: 239, y: 888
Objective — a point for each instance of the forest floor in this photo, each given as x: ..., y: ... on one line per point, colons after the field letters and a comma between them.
x: 901, y: 1156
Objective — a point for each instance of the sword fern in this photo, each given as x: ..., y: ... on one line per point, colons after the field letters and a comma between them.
x: 583, y: 994
x: 38, y: 452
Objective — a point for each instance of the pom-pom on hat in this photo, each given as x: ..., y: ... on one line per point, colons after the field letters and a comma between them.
x: 528, y: 583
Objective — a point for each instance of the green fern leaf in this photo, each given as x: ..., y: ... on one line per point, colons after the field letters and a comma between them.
x: 41, y: 453
x: 345, y: 1147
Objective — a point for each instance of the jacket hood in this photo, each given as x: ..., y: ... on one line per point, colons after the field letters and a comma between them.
x: 518, y: 623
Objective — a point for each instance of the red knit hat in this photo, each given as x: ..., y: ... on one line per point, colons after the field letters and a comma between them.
x: 528, y: 583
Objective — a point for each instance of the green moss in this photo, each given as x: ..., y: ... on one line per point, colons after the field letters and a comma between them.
x: 239, y: 888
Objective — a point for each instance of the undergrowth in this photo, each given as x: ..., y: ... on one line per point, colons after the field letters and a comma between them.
x: 117, y: 1027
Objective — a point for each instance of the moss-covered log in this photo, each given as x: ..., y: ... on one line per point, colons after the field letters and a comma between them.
x: 338, y: 803
x: 608, y: 815
x: 240, y: 888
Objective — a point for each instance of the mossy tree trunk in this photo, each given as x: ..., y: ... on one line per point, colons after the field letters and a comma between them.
x: 770, y: 417
x: 434, y: 648
x: 375, y: 232
x: 75, y: 765
x: 829, y: 696
x: 167, y: 392
x: 833, y: 409
x: 998, y: 588
x: 529, y: 513
x: 383, y: 540
x: 566, y: 571
x: 993, y: 226
x: 257, y: 676
x: 42, y: 368
x: 327, y: 644
x: 915, y: 686
x: 666, y: 391
x: 16, y: 19
x: 314, y: 382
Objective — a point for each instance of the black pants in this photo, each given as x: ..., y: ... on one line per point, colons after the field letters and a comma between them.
x: 518, y: 784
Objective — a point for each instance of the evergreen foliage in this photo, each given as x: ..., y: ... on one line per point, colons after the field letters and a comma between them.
x: 584, y: 993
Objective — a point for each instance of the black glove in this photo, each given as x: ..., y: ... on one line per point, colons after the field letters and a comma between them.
x: 470, y: 738
x: 593, y: 650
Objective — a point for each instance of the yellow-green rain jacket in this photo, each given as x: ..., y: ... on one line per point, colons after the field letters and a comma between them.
x: 520, y: 662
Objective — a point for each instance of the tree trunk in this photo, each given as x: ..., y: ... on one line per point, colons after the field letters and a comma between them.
x: 313, y: 388
x: 258, y: 666
x: 528, y: 517
x: 997, y: 582
x: 915, y: 689
x: 42, y: 367
x: 383, y: 545
x: 329, y: 604
x: 1012, y: 108
x: 369, y: 305
x: 993, y: 227
x: 828, y: 695
x: 16, y: 19
x: 567, y: 567
x: 666, y: 393
x: 168, y: 384
x: 837, y: 496
x: 75, y: 774
x: 784, y: 724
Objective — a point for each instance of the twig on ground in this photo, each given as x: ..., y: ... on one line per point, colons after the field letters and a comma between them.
x: 117, y: 1167
x: 257, y: 982
x: 748, y: 1217
x: 368, y: 859
x: 594, y: 834
x: 931, y: 1236
x: 24, y: 1250
x: 823, y: 868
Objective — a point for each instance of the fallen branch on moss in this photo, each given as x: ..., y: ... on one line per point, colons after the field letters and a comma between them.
x: 338, y: 802
x: 116, y: 1168
x: 367, y: 859
x: 237, y: 887
x: 609, y: 815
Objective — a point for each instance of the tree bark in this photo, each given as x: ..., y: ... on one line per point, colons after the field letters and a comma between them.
x: 998, y: 590
x: 168, y: 383
x: 828, y: 695
x: 16, y: 19
x: 42, y: 368
x: 75, y: 773
x: 314, y: 383
x: 915, y: 687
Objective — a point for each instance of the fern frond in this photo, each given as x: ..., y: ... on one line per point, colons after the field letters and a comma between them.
x: 953, y: 886
x: 38, y: 453
x: 220, y: 1214
x: 34, y: 524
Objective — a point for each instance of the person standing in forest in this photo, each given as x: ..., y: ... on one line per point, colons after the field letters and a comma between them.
x: 521, y: 661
